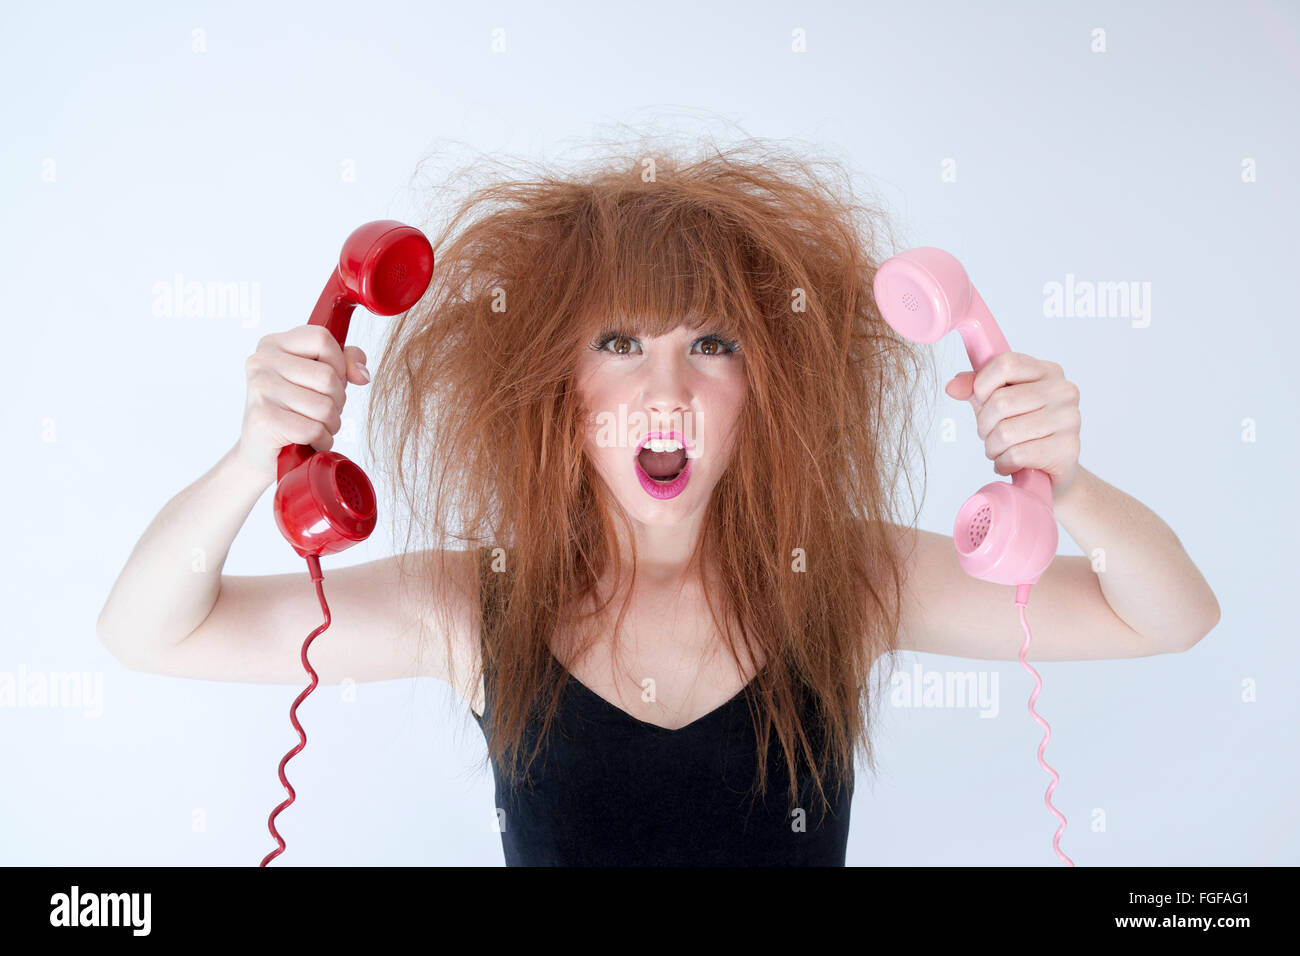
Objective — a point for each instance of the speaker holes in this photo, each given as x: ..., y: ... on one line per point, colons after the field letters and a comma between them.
x: 979, y: 526
x: 348, y: 491
x: 352, y: 490
x: 397, y: 273
x: 910, y: 303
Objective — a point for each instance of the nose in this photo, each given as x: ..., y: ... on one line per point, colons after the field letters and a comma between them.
x: 667, y: 388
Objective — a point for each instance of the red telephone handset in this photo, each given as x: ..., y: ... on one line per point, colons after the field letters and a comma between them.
x: 324, y: 502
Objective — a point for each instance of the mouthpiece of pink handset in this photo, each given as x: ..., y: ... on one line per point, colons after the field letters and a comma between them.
x: 1005, y: 533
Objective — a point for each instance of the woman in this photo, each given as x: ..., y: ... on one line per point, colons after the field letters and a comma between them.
x: 668, y: 645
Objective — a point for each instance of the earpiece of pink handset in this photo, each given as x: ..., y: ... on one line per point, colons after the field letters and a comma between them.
x: 1005, y: 533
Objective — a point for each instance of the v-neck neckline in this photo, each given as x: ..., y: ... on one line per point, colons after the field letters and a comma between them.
x: 665, y: 731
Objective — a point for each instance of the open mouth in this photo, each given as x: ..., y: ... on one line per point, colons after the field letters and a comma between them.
x: 662, y: 465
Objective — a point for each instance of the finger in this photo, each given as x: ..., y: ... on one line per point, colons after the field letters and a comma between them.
x: 312, y: 374
x: 314, y: 341
x: 1032, y: 454
x: 1006, y: 368
x: 300, y: 429
x: 309, y: 404
x: 1020, y: 430
x: 1008, y: 402
x: 960, y: 386
x: 358, y: 374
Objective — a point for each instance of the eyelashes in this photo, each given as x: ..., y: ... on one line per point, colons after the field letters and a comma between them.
x: 610, y: 335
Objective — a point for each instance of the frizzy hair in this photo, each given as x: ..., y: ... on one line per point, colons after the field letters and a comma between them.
x: 482, y: 431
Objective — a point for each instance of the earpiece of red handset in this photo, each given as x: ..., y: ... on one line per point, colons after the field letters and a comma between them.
x: 324, y: 502
x: 1004, y: 533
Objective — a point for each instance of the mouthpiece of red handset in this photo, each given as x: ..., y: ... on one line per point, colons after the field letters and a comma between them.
x: 324, y: 502
x: 1005, y: 532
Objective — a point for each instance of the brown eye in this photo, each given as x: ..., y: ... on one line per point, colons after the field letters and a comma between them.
x: 623, y: 344
x: 716, y: 346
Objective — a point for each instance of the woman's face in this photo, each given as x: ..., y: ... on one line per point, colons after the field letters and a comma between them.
x: 687, y: 388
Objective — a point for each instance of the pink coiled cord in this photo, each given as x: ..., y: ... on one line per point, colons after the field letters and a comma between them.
x: 313, y: 565
x: 1021, y: 599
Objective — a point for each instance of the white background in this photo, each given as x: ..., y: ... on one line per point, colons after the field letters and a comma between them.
x: 128, y: 157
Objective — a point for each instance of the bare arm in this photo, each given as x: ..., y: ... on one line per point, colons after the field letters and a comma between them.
x: 385, y: 624
x: 1146, y: 576
x: 1150, y: 599
x: 173, y: 576
x: 171, y: 611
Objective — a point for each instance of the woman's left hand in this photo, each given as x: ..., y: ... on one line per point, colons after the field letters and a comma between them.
x: 1027, y: 412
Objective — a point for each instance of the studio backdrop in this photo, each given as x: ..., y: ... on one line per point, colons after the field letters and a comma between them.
x: 1119, y: 180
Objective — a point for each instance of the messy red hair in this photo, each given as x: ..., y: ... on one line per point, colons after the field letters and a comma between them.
x: 475, y: 406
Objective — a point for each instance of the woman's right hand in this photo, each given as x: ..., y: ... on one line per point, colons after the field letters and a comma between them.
x: 296, y: 394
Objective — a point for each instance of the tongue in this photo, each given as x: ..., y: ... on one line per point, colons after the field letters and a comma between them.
x: 662, y: 464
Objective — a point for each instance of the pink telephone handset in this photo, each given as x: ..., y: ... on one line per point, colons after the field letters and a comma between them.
x: 1005, y: 533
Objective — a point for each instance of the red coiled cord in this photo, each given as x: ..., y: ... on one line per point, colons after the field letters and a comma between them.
x: 313, y: 565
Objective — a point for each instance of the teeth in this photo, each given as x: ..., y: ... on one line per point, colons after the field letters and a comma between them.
x: 663, y: 444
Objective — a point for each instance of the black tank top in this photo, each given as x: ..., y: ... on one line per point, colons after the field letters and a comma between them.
x: 607, y: 789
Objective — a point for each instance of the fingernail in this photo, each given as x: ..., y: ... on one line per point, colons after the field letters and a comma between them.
x: 364, y: 371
